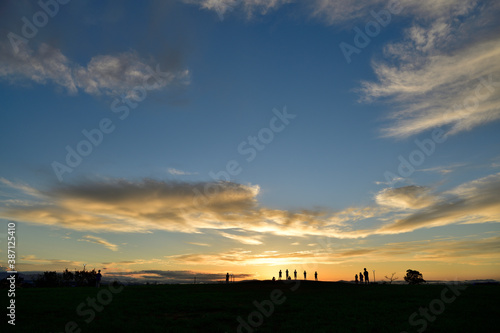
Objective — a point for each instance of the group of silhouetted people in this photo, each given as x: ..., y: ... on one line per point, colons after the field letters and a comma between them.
x: 361, y: 276
x: 288, y: 277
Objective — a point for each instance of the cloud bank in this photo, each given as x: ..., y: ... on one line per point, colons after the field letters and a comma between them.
x: 118, y: 205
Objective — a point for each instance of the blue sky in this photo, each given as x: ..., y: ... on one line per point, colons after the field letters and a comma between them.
x: 344, y: 149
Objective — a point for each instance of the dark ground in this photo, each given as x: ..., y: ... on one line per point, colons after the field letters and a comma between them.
x: 302, y: 307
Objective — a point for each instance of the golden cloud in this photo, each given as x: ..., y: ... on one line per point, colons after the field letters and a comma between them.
x: 233, y: 210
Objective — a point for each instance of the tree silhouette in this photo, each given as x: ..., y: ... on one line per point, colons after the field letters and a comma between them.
x: 67, y: 278
x: 414, y: 277
x: 48, y: 279
x: 392, y: 278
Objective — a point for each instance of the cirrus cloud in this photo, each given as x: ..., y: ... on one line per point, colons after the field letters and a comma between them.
x: 441, y: 74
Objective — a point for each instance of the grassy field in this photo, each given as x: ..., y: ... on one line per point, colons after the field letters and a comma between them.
x: 296, y: 307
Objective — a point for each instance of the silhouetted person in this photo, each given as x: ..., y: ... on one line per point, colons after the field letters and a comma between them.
x: 305, y: 275
x: 316, y: 276
x: 279, y: 275
x: 286, y: 273
x: 227, y: 278
x: 274, y: 279
x: 360, y: 277
x: 356, y: 278
x: 366, y: 276
x: 289, y: 278
x: 98, y: 279
x: 295, y: 274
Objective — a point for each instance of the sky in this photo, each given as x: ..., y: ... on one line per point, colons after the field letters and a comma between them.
x: 162, y: 140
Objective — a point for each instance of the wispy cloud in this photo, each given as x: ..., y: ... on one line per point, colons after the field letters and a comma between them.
x: 441, y: 75
x: 177, y: 172
x: 32, y: 259
x: 340, y: 11
x: 100, y: 241
x: 104, y: 74
x: 465, y: 251
x: 22, y: 188
x: 252, y: 240
x: 444, y: 170
x: 249, y: 6
x: 198, y: 244
x: 473, y: 202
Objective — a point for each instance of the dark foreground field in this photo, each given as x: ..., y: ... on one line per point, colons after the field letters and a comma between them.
x: 304, y: 307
